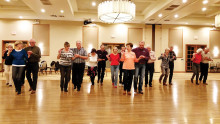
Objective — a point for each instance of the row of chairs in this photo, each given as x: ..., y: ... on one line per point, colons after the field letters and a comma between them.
x: 214, y: 67
x: 43, y: 68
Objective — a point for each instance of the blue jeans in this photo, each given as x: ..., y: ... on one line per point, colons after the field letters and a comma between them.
x: 139, y: 71
x: 114, y: 74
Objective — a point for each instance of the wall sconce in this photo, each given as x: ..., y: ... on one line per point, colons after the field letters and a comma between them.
x: 215, y: 51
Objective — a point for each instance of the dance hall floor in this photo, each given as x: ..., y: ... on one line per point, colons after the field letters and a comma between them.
x: 182, y: 103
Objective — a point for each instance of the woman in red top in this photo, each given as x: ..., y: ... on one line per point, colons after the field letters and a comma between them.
x: 115, y: 59
x: 197, y: 58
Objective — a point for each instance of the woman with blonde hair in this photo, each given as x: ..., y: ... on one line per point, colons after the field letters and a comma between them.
x: 114, y: 58
x: 8, y: 66
x: 164, y: 66
x: 196, y: 59
x: 19, y: 57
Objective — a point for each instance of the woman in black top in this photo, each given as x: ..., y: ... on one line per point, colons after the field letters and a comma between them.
x: 8, y: 66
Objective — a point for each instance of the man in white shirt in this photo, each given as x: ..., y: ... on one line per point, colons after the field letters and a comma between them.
x: 206, y: 57
x: 150, y: 67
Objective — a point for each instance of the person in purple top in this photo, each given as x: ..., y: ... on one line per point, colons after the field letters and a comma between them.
x: 140, y: 66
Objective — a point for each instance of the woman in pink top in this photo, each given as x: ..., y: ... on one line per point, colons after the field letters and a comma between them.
x: 115, y: 59
x: 197, y: 58
x: 129, y: 59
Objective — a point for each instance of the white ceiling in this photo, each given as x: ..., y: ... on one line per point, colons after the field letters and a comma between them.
x: 147, y: 11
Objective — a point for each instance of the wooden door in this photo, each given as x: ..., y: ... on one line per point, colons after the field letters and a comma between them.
x: 190, y: 49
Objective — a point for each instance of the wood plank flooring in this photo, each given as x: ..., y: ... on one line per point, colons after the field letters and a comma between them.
x: 182, y: 103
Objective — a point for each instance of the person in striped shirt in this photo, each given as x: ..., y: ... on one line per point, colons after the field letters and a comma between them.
x: 65, y: 57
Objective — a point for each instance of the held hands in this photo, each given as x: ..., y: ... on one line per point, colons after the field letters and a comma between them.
x: 29, y: 52
x: 76, y: 55
x: 141, y: 57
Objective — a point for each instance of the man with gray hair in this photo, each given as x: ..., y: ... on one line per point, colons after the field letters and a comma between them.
x: 140, y: 66
x: 32, y: 65
x: 78, y: 65
x: 172, y: 57
x: 204, y: 65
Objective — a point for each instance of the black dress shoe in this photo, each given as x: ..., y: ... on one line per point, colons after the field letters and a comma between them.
x: 205, y: 83
x: 61, y: 89
x: 65, y: 90
x: 18, y: 93
x: 197, y: 83
x: 150, y: 85
x: 141, y: 92
x: 145, y: 85
x: 74, y: 87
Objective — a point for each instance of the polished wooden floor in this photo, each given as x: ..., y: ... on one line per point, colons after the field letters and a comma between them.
x: 183, y: 102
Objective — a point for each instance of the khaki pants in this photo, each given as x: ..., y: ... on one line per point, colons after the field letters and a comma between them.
x: 8, y: 74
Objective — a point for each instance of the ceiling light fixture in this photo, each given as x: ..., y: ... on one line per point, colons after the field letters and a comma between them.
x: 116, y: 11
x: 93, y: 3
x: 186, y: 23
x: 205, y: 1
x: 184, y: 1
x: 160, y: 15
x: 42, y: 10
x: 61, y: 11
x: 217, y: 20
x: 20, y: 17
x: 204, y: 9
x: 176, y: 16
x: 8, y: 0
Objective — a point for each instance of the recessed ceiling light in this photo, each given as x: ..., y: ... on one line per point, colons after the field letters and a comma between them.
x: 205, y: 1
x: 62, y: 11
x: 186, y: 23
x: 42, y: 10
x: 204, y: 9
x: 20, y: 17
x: 160, y: 15
x: 93, y: 3
x: 176, y: 16
x: 8, y: 0
x: 184, y: 1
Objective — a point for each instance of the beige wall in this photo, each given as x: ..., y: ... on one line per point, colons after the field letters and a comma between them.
x: 61, y: 31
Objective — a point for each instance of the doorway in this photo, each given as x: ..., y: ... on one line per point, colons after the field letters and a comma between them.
x: 190, y: 49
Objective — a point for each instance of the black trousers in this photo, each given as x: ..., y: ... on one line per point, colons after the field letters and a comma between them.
x: 101, y: 71
x: 128, y: 78
x: 17, y: 73
x: 92, y: 74
x: 149, y: 71
x: 171, y: 66
x: 32, y: 68
x: 23, y: 77
x: 77, y: 74
x: 121, y: 73
x: 65, y: 76
x: 204, y: 67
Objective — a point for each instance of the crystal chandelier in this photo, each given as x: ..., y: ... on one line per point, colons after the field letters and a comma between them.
x: 116, y: 11
x: 217, y: 20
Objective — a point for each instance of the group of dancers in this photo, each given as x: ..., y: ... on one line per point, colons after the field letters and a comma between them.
x: 129, y: 63
x: 137, y: 63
